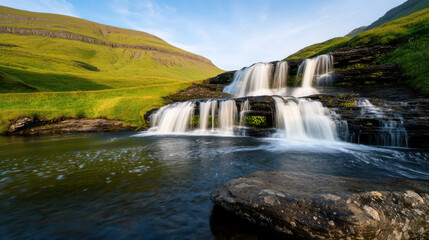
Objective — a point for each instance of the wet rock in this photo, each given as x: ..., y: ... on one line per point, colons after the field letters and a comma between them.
x: 314, y: 206
x: 22, y: 124
x: 30, y: 126
x: 222, y: 79
x: 370, y: 78
x: 227, y: 226
x: 347, y: 56
x: 199, y: 91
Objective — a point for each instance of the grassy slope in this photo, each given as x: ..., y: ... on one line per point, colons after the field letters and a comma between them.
x: 314, y: 49
x: 74, y: 78
x: 410, y: 33
x: 403, y: 10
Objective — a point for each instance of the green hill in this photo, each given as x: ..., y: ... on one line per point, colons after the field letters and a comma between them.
x: 74, y: 58
x: 411, y: 36
x: 403, y: 10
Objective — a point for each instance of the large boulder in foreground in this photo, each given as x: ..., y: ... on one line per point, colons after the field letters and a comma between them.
x: 314, y: 206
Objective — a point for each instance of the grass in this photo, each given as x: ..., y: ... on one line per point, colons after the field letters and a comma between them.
x: 128, y: 104
x: 410, y: 34
x: 47, y: 65
x: 314, y: 49
x: 53, y: 77
x: 403, y: 10
x: 58, y: 23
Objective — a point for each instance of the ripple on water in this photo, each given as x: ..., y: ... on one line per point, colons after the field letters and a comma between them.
x: 158, y: 186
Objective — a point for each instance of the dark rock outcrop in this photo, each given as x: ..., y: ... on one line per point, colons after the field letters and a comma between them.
x: 199, y: 91
x: 361, y: 54
x: 34, y: 126
x: 411, y: 113
x: 222, y: 79
x: 228, y: 226
x: 314, y: 206
x: 369, y: 77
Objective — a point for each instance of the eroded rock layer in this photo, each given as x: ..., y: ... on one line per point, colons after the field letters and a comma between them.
x: 315, y: 206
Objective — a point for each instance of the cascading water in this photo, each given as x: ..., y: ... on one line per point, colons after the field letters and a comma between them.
x: 294, y: 118
x: 314, y: 69
x: 227, y: 115
x: 205, y: 108
x: 173, y: 118
x: 259, y: 79
x: 280, y: 75
x: 304, y: 119
x: 245, y: 107
x: 391, y: 128
x: 251, y: 81
x: 179, y: 118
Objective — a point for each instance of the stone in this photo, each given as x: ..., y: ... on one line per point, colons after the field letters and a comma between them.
x: 316, y: 206
x: 21, y: 124
x: 29, y: 126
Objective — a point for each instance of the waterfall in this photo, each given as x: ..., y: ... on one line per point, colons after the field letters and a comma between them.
x: 174, y: 118
x: 245, y: 107
x: 304, y: 119
x: 179, y: 117
x: 318, y: 69
x: 295, y: 118
x: 280, y: 75
x: 214, y: 109
x: 227, y: 115
x: 391, y: 130
x: 368, y: 109
x: 251, y: 81
x: 205, y: 108
x: 259, y: 79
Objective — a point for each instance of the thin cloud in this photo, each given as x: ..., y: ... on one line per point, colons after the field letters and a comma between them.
x: 48, y: 6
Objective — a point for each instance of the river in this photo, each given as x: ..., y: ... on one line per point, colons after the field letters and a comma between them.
x: 128, y: 185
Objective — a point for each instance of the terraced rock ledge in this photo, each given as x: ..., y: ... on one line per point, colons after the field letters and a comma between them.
x: 314, y: 206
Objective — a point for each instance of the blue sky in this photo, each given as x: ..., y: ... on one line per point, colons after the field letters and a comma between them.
x: 232, y: 34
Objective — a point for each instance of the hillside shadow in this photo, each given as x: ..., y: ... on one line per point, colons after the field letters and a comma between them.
x: 47, y: 81
x: 87, y: 66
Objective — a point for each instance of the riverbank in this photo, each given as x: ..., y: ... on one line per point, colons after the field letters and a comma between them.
x: 34, y: 126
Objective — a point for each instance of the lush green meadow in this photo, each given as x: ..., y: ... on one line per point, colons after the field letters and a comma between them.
x: 410, y: 34
x: 52, y: 77
x: 128, y: 104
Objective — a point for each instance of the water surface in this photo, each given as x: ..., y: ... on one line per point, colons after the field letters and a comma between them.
x: 128, y: 186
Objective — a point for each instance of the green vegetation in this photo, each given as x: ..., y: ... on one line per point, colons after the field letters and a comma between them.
x: 347, y: 104
x: 129, y: 104
x: 314, y: 50
x: 195, y: 121
x: 53, y: 77
x: 414, y: 58
x: 410, y: 34
x: 255, y: 121
x: 403, y: 10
